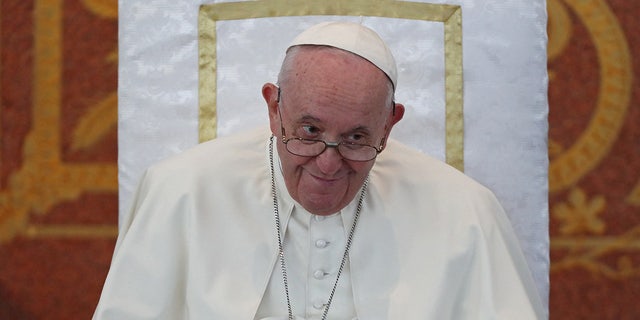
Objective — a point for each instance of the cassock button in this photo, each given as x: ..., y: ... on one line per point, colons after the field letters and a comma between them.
x: 318, y: 305
x: 319, y: 217
x: 319, y: 274
x: 321, y: 243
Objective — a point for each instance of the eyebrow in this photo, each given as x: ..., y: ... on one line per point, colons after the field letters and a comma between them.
x: 310, y: 118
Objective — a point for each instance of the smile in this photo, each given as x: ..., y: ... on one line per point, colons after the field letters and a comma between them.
x: 326, y: 180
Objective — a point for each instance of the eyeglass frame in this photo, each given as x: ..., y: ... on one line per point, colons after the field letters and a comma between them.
x: 335, y: 145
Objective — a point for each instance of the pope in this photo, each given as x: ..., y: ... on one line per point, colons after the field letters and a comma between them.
x: 319, y: 216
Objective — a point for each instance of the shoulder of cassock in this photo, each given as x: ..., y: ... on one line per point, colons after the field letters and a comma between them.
x: 437, y: 209
x: 236, y: 162
x: 434, y: 211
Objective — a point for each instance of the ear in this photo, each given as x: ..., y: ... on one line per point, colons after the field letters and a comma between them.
x: 396, y: 116
x: 270, y: 95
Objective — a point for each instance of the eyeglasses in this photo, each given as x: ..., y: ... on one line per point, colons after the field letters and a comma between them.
x: 314, y: 147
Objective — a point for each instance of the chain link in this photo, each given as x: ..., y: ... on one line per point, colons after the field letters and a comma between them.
x: 279, y: 233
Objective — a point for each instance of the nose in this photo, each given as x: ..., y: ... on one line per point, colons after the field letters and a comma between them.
x: 329, y: 161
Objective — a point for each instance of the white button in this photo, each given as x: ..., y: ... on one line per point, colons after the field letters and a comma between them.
x: 318, y: 305
x: 319, y: 274
x: 321, y: 243
x: 318, y: 217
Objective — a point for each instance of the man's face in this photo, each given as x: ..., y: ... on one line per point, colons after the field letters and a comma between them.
x: 332, y: 96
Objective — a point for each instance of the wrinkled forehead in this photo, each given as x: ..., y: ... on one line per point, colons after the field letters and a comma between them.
x: 322, y: 70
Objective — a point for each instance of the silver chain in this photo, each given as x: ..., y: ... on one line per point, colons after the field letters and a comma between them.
x: 283, y: 267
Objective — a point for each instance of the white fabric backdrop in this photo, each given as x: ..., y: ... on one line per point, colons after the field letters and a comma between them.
x: 505, y: 94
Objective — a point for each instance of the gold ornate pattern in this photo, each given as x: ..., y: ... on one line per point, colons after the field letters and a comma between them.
x: 102, y: 8
x: 560, y: 28
x: 580, y: 215
x: 589, y: 253
x: 634, y: 196
x: 102, y: 118
x: 450, y: 15
x: 584, y: 238
x: 44, y: 179
x: 613, y: 98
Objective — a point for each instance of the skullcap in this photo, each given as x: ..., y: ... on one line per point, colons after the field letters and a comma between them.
x: 352, y: 37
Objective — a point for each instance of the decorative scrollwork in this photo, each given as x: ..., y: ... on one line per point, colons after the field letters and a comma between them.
x: 583, y: 241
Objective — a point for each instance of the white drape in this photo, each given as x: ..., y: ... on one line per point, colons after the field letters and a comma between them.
x: 505, y: 93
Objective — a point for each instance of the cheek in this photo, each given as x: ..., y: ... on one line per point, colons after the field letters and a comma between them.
x: 290, y: 163
x: 361, y: 169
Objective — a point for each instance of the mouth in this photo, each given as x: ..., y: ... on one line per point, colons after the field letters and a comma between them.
x: 325, y: 181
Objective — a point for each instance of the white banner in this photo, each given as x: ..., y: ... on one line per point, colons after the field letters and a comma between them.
x: 505, y: 93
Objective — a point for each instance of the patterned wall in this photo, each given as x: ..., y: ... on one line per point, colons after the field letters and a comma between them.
x: 58, y: 152
x: 58, y: 174
x: 594, y: 147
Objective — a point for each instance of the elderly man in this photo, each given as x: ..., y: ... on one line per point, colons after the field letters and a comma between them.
x: 323, y: 217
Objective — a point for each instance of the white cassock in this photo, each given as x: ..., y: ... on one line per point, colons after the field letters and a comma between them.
x: 200, y: 243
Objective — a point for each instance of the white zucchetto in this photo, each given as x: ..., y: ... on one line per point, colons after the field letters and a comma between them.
x: 352, y: 37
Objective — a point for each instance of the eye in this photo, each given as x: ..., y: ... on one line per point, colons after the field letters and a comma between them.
x: 356, y: 138
x: 310, y: 131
